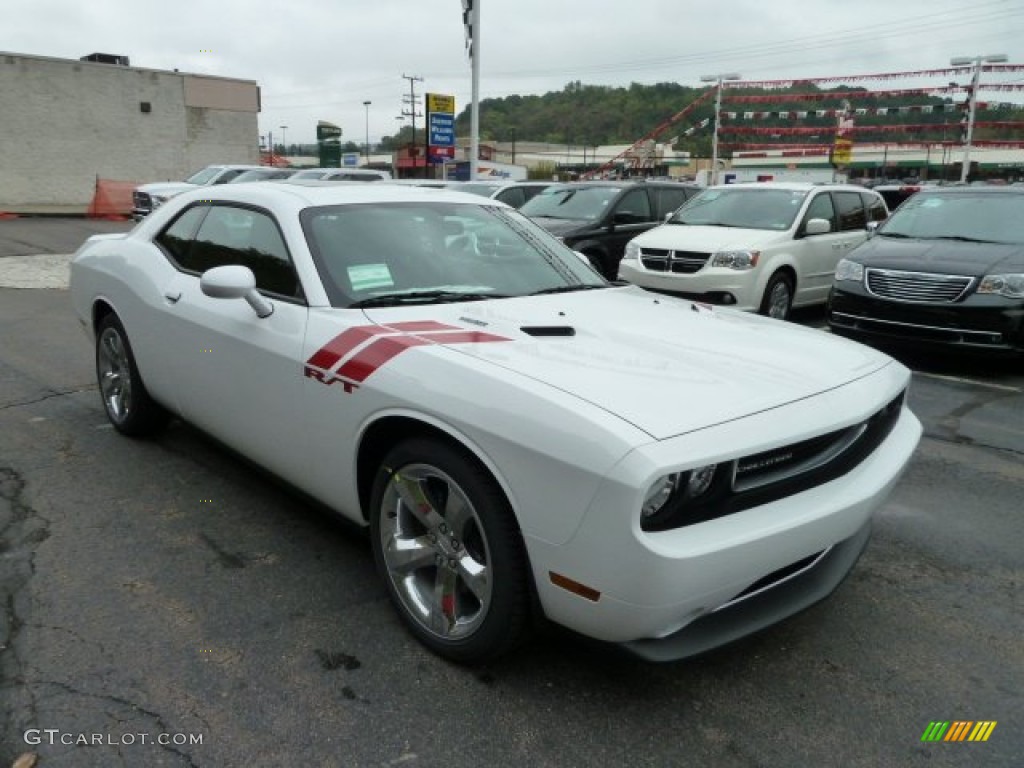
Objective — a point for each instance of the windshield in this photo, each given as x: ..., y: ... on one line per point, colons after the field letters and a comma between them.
x: 997, y: 218
x: 574, y: 203
x: 311, y: 173
x: 394, y: 253
x: 204, y: 176
x: 745, y: 208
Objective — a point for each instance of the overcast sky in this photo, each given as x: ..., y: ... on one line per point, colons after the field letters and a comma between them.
x: 321, y: 59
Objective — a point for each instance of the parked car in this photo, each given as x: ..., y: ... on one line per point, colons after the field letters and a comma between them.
x: 895, y: 194
x: 764, y: 247
x: 263, y: 174
x: 343, y: 174
x: 947, y: 270
x: 436, y: 367
x: 147, y: 197
x: 598, y: 218
x: 514, y: 193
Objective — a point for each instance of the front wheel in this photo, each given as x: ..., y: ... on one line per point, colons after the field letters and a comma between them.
x: 778, y: 297
x: 446, y: 543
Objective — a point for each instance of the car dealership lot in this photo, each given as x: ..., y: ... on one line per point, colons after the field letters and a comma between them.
x: 168, y: 587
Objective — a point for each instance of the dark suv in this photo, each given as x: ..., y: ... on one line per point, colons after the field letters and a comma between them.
x: 598, y: 218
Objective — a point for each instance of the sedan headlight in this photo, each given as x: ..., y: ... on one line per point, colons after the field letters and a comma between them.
x: 735, y: 259
x: 632, y: 252
x: 676, y: 488
x: 850, y: 270
x: 1011, y: 286
x: 159, y: 200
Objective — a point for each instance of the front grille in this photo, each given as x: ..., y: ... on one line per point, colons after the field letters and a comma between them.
x: 679, y: 262
x: 767, y: 476
x: 922, y: 287
x: 142, y: 201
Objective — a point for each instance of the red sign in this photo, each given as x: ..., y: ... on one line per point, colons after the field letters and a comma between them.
x: 448, y: 152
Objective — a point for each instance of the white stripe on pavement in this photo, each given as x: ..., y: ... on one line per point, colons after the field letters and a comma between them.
x: 48, y: 270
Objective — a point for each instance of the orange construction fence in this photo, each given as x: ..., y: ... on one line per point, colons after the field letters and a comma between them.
x: 112, y: 199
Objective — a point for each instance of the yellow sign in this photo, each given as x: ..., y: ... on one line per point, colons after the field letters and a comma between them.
x: 437, y: 102
x: 842, y: 152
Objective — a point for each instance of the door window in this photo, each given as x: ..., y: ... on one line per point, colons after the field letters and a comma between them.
x: 177, y: 238
x: 876, y: 207
x: 851, y: 211
x: 230, y: 235
x: 634, y: 208
x: 670, y: 199
x: 821, y: 208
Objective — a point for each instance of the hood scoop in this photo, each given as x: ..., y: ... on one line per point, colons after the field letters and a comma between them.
x: 548, y: 330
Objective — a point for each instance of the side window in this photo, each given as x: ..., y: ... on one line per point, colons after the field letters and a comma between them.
x: 227, y: 176
x: 177, y: 238
x: 633, y: 208
x: 851, y: 211
x: 821, y: 208
x: 669, y: 200
x: 876, y: 207
x: 232, y: 235
x: 514, y: 196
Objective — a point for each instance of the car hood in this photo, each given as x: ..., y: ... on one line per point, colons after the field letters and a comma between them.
x: 946, y: 256
x: 166, y: 188
x: 559, y: 227
x: 704, y: 238
x: 665, y: 365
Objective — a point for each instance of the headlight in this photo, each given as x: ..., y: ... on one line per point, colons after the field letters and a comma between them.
x: 1011, y: 286
x: 849, y: 270
x: 158, y: 200
x: 632, y: 252
x: 677, y: 487
x: 735, y: 259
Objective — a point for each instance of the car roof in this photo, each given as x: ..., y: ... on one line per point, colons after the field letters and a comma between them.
x: 992, y: 189
x: 620, y: 184
x: 297, y: 194
x: 793, y: 186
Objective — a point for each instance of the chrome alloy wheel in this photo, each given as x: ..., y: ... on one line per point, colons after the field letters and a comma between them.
x: 114, y: 374
x: 435, y: 551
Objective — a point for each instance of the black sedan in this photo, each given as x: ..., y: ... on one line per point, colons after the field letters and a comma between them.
x: 947, y: 269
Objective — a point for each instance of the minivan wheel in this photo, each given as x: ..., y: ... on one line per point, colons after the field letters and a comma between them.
x: 778, y: 297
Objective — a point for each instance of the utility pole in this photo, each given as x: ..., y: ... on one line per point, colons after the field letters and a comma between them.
x: 972, y: 101
x: 411, y: 100
x: 717, y: 80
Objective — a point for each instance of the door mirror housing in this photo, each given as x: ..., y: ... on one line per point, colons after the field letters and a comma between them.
x: 234, y: 281
x: 817, y: 227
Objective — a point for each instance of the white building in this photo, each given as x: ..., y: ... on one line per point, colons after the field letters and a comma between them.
x: 67, y: 122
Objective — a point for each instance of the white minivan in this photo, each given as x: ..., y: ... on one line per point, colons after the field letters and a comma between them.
x: 764, y: 247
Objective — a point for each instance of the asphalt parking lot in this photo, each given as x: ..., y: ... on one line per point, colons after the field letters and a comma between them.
x: 167, y: 588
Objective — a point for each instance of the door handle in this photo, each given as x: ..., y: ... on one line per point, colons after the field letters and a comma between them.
x: 172, y: 296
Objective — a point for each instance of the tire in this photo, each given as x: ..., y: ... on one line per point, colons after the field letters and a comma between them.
x: 778, y: 297
x: 128, y: 405
x: 447, y: 546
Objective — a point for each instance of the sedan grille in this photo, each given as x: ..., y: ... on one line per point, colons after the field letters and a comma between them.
x: 921, y: 287
x: 679, y: 262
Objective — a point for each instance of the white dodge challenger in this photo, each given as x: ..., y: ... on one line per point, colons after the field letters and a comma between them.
x: 522, y: 438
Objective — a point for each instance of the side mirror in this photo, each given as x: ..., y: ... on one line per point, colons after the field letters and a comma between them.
x: 872, y: 228
x: 817, y: 227
x: 234, y: 281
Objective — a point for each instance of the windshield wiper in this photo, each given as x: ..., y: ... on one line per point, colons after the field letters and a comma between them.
x: 424, y: 297
x: 895, y: 234
x: 567, y: 289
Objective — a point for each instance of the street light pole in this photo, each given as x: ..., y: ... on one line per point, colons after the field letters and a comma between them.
x: 366, y: 104
x: 972, y: 100
x: 717, y: 80
x: 284, y: 146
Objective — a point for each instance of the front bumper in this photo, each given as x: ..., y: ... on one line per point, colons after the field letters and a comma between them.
x: 714, y: 285
x: 979, y: 323
x: 671, y: 594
